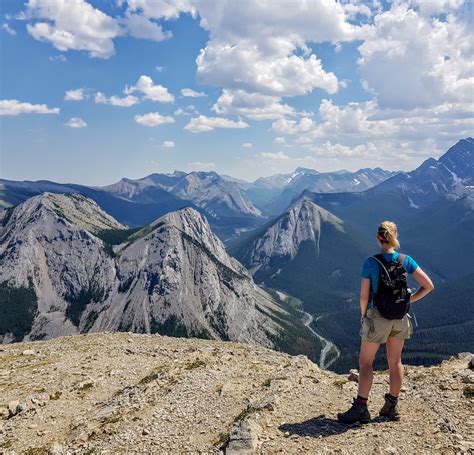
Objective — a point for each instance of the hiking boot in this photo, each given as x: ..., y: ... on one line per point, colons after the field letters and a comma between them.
x: 390, y: 410
x: 357, y: 413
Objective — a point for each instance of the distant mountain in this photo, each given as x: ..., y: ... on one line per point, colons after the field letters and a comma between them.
x: 274, y: 194
x: 314, y: 250
x: 219, y: 196
x: 325, y: 182
x: 450, y: 175
x: 440, y: 236
x: 265, y: 189
x: 14, y: 192
x: 139, y: 202
x: 283, y: 237
x: 127, y: 212
x: 68, y: 267
x: 307, y: 252
x: 433, y: 206
x: 280, y: 181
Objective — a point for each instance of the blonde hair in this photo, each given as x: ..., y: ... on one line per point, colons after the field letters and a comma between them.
x: 387, y: 233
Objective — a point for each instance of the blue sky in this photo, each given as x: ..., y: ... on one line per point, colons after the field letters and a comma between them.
x: 321, y: 85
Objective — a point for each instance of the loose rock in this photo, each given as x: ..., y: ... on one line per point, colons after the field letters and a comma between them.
x: 254, y: 401
x: 353, y: 376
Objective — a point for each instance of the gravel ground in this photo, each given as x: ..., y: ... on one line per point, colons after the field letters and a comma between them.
x: 129, y: 393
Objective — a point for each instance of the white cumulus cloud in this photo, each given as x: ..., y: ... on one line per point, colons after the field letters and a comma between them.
x: 153, y: 119
x: 203, y: 124
x: 162, y: 9
x: 8, y: 29
x: 168, y: 144
x: 187, y: 110
x: 261, y: 47
x: 434, y: 7
x: 15, y: 107
x: 57, y: 58
x: 279, y: 156
x: 244, y: 66
x: 72, y: 24
x: 140, y: 26
x: 150, y: 90
x: 74, y: 95
x: 126, y: 101
x: 191, y: 93
x: 414, y: 61
x: 252, y: 105
x: 286, y: 126
x: 76, y: 122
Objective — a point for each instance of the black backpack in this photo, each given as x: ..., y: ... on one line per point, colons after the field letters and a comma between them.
x: 392, y: 298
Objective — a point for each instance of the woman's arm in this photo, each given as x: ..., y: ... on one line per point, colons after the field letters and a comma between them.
x: 364, y: 296
x: 426, y: 285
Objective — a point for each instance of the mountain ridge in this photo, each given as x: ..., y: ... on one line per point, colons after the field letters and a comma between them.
x: 202, y: 188
x: 172, y: 277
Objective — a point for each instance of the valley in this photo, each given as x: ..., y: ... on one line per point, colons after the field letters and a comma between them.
x: 329, y: 348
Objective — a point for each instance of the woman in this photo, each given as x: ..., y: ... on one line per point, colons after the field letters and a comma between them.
x: 376, y: 329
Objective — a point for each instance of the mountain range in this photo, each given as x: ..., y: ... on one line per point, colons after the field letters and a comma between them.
x: 274, y: 194
x: 75, y: 259
x: 68, y: 267
x: 232, y: 206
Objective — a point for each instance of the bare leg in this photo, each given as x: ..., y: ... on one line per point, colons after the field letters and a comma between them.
x: 394, y: 358
x: 366, y: 373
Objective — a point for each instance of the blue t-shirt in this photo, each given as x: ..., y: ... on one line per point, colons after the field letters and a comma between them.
x: 371, y: 267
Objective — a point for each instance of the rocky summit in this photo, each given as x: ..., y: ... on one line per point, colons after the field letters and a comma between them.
x: 302, y: 222
x: 136, y: 393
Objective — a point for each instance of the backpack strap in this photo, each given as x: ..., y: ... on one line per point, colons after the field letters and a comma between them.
x: 401, y: 259
x: 381, y: 260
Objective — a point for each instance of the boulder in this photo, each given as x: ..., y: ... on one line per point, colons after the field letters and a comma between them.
x: 353, y: 376
x: 243, y: 437
x: 15, y: 407
x: 28, y: 352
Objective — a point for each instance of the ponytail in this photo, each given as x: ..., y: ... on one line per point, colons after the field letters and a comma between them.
x: 387, y: 233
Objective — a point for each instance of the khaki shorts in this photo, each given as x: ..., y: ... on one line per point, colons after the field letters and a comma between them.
x: 376, y: 329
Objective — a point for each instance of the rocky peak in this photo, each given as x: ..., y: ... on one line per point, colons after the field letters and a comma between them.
x: 459, y: 160
x: 215, y: 194
x: 74, y: 209
x: 450, y: 176
x: 194, y: 226
x: 301, y: 222
x: 305, y: 170
x: 307, y: 210
x: 429, y: 162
